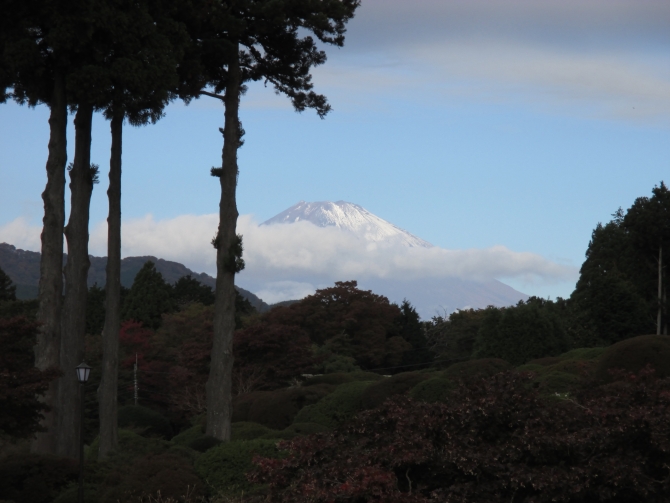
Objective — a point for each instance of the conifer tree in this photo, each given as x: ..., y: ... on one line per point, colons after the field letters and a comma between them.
x: 149, y: 297
x: 241, y: 41
x: 7, y: 287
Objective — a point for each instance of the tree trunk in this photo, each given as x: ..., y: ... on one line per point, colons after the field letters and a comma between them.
x: 107, y: 394
x: 659, y: 316
x: 73, y: 326
x: 47, y: 349
x: 219, y: 389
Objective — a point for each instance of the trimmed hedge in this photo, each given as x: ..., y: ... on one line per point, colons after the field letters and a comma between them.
x: 554, y: 382
x: 224, y: 467
x: 634, y: 354
x: 432, y: 390
x: 249, y: 431
x: 532, y: 367
x: 337, y: 407
x: 32, y: 478
x: 203, y: 443
x: 187, y: 436
x: 583, y: 354
x: 146, y: 421
x: 483, y: 367
x: 338, y: 378
x: 546, y: 362
x: 379, y: 392
x: 278, y: 409
x: 242, y: 404
x: 131, y: 446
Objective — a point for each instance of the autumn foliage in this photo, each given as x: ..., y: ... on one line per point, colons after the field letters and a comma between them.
x: 495, y: 440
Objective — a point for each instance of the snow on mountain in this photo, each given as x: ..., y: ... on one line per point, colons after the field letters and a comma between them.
x: 348, y: 217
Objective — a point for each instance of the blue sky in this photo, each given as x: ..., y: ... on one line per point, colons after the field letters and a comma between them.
x: 471, y: 124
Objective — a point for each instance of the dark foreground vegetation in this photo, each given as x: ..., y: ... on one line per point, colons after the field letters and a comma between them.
x: 347, y: 397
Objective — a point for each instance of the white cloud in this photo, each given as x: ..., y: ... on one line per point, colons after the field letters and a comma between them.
x: 21, y: 234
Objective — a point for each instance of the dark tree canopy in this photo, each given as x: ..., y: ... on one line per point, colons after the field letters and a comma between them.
x: 149, y: 297
x: 7, y: 287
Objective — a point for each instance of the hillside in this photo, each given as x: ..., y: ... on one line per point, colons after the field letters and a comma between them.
x: 23, y: 267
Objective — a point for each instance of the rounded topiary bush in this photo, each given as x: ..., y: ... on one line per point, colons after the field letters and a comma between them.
x: 71, y: 494
x: 545, y: 362
x: 583, y: 354
x: 432, y: 390
x: 580, y: 368
x: 32, y: 478
x: 203, y: 443
x: 172, y: 475
x: 248, y: 431
x: 278, y: 409
x: 242, y: 404
x: 131, y: 446
x: 337, y: 407
x: 483, y: 367
x: 188, y: 435
x: 634, y: 354
x: 307, y: 428
x: 378, y: 392
x: 224, y: 467
x: 338, y: 378
x: 145, y: 421
x: 532, y: 367
x: 554, y: 382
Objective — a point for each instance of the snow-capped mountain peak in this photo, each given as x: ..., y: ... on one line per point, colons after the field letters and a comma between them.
x: 348, y: 217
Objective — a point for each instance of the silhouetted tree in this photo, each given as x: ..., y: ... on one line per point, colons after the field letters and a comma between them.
x: 7, y: 287
x: 149, y: 298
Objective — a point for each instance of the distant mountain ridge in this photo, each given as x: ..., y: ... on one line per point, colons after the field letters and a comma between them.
x: 348, y: 217
x: 23, y: 267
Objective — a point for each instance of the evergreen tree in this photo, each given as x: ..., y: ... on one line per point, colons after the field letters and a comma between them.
x: 149, y: 298
x: 240, y: 41
x: 411, y: 329
x: 188, y: 289
x: 7, y: 287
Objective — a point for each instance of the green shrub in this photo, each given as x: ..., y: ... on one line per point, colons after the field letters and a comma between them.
x: 131, y: 446
x: 575, y: 367
x: 432, y: 390
x: 483, y: 367
x: 634, y: 354
x: 172, y: 475
x: 532, y: 367
x: 546, y: 362
x: 146, y: 421
x: 335, y: 379
x: 242, y: 404
x: 583, y: 354
x: 306, y: 428
x: 556, y: 382
x: 337, y: 407
x: 278, y: 409
x: 203, y: 443
x: 224, y: 467
x: 71, y: 494
x: 32, y: 478
x: 187, y: 436
x: 377, y: 393
x: 248, y: 431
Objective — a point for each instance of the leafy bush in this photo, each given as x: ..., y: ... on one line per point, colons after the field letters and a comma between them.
x: 131, y: 446
x: 634, y: 354
x: 203, y: 443
x: 146, y: 421
x: 532, y: 367
x: 583, y: 354
x: 432, y: 390
x: 546, y: 361
x: 224, y: 467
x: 32, y: 478
x: 278, y: 409
x: 187, y: 436
x: 576, y: 367
x: 242, y: 404
x: 71, y: 494
x: 556, y: 382
x: 484, y: 367
x: 337, y: 407
x: 379, y: 392
x: 248, y: 431
x: 306, y: 428
x: 172, y: 475
x: 338, y: 378
x: 496, y: 440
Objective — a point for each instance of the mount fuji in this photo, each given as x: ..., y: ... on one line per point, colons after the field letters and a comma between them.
x: 430, y: 295
x: 348, y: 217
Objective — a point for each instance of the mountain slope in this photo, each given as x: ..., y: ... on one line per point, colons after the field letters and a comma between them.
x: 347, y: 217
x: 23, y: 267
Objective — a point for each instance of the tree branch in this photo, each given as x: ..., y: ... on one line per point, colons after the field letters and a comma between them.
x: 212, y: 95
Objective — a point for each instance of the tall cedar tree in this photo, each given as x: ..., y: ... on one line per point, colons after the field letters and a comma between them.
x: 42, y: 43
x: 7, y: 287
x: 648, y: 222
x: 149, y: 297
x: 240, y: 41
x: 144, y: 44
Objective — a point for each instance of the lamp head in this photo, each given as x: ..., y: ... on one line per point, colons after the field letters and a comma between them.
x: 83, y: 371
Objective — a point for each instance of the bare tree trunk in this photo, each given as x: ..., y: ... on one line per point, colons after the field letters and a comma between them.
x: 659, y: 316
x: 47, y: 349
x: 73, y: 324
x: 219, y: 384
x: 107, y: 392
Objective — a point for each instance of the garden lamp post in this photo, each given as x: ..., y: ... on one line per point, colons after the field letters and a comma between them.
x: 83, y: 371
